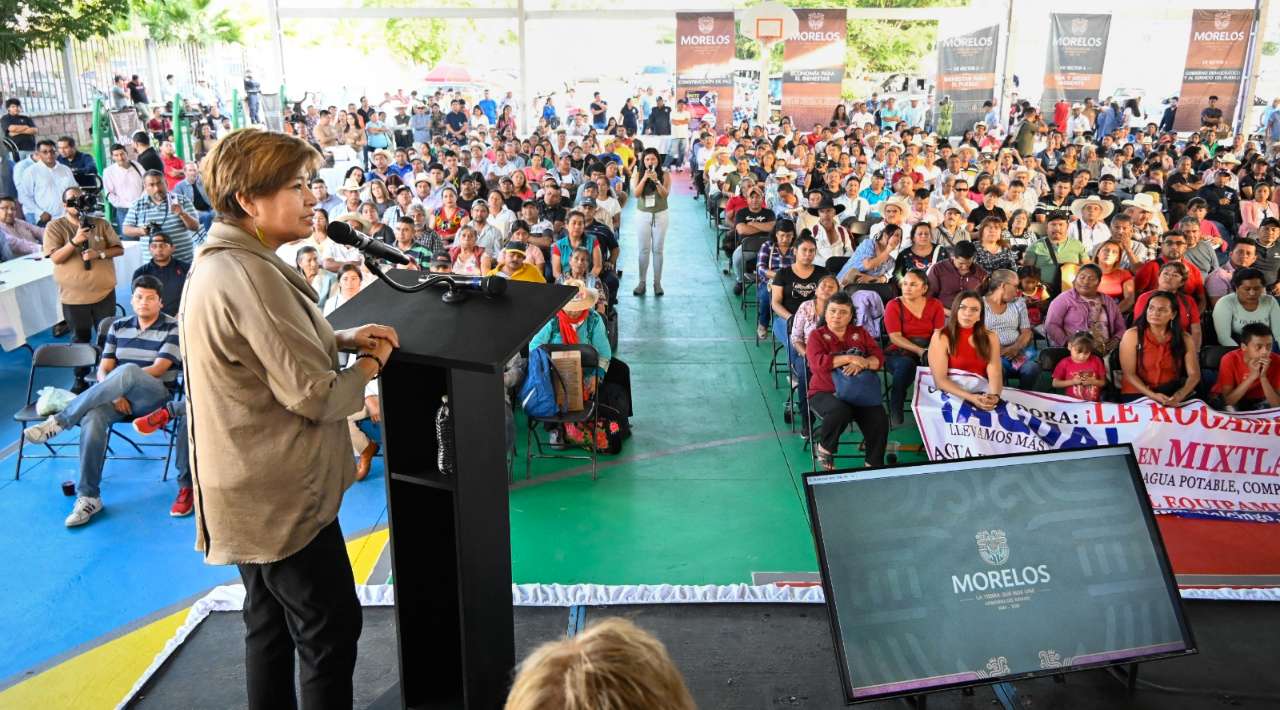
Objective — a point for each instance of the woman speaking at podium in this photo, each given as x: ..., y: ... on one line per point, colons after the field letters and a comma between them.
x: 267, y: 414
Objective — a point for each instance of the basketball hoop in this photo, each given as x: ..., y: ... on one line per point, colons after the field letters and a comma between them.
x: 769, y: 23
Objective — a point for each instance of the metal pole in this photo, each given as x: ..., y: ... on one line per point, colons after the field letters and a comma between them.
x: 526, y: 108
x: 1002, y: 108
x: 1260, y: 12
x: 762, y: 92
x: 277, y: 35
x: 101, y: 139
x: 237, y: 110
x: 69, y: 82
x: 179, y: 128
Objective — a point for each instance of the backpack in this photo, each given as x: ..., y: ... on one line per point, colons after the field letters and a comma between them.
x: 537, y: 395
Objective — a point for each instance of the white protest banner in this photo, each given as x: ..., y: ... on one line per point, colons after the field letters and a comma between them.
x: 1193, y: 458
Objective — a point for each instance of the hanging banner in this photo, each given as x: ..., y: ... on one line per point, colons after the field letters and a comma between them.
x: 1215, y: 65
x: 967, y: 74
x: 704, y: 65
x: 1077, y: 50
x: 1193, y: 458
x: 813, y: 67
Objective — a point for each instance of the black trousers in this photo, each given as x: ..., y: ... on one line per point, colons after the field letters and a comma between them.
x: 836, y: 415
x: 305, y: 603
x: 83, y: 318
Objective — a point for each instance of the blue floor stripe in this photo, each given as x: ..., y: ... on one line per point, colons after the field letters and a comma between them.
x: 577, y: 618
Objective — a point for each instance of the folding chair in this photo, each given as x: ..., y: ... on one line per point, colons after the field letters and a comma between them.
x: 53, y: 356
x: 170, y: 429
x: 589, y: 415
x: 810, y: 426
x: 779, y: 367
x: 750, y: 251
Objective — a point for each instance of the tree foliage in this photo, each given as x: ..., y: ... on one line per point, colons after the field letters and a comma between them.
x: 192, y: 21
x: 31, y: 24
x: 874, y: 46
x: 422, y: 40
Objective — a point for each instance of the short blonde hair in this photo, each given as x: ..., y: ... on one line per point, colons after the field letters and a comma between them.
x: 253, y: 163
x: 613, y: 665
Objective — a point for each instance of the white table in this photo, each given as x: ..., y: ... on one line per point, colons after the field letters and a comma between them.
x: 29, y: 297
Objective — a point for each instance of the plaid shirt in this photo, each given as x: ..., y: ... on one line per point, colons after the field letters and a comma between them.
x: 770, y: 259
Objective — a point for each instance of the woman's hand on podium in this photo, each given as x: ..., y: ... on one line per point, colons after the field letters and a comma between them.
x: 366, y: 339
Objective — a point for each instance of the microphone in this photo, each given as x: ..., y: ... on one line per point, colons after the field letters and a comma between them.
x: 343, y: 233
x: 490, y: 286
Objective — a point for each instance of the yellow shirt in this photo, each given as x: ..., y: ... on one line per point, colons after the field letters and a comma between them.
x: 526, y: 272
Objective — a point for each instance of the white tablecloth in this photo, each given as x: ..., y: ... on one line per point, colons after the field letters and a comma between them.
x: 29, y: 297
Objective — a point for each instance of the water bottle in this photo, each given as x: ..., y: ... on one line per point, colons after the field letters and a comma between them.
x: 891, y: 453
x: 444, y: 438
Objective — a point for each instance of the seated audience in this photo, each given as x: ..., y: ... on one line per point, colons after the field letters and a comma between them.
x: 774, y: 256
x: 1158, y: 360
x: 170, y: 272
x: 921, y: 254
x: 1006, y: 316
x: 1082, y: 374
x: 874, y: 259
x: 322, y: 282
x: 469, y: 258
x: 350, y: 281
x: 956, y: 274
x: 135, y: 374
x: 794, y: 285
x: 839, y: 344
x: 1218, y: 283
x: 1248, y: 303
x: 1116, y: 282
x: 965, y: 344
x: 1249, y: 376
x: 513, y: 265
x: 910, y: 322
x: 1173, y: 276
x: 1056, y: 255
x: 1082, y: 307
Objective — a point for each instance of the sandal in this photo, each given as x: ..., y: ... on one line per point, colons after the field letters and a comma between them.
x: 826, y: 459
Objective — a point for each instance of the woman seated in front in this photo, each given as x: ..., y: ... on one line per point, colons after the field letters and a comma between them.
x: 807, y: 319
x: 965, y: 344
x: 1158, y: 359
x: 911, y: 321
x: 839, y: 344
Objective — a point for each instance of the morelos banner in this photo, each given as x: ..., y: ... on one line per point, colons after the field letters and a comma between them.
x: 1215, y: 64
x: 1193, y: 458
x: 967, y: 74
x: 1077, y: 49
x: 813, y: 67
x: 704, y: 64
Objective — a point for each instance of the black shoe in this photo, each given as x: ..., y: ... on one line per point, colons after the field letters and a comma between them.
x: 737, y: 289
x: 657, y: 290
x: 60, y: 329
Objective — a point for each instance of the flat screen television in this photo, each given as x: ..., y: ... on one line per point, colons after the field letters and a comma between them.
x: 967, y: 572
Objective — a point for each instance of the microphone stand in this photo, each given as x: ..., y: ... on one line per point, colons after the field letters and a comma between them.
x: 452, y: 295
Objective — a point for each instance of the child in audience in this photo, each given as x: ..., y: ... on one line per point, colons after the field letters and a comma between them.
x: 1249, y: 376
x: 1082, y: 375
x: 1034, y: 293
x: 614, y: 664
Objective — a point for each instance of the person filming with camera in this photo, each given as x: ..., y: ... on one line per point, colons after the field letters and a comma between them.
x: 169, y: 213
x: 81, y: 248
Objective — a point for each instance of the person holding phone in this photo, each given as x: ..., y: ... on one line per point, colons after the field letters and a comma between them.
x: 169, y: 212
x: 651, y: 185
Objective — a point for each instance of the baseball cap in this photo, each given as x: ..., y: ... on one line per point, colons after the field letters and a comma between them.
x: 1269, y: 222
x: 1055, y: 215
x: 588, y: 202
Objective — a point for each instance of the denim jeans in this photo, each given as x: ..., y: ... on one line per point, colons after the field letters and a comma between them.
x: 902, y: 369
x: 120, y: 214
x: 1028, y: 374
x: 93, y: 411
x: 675, y: 152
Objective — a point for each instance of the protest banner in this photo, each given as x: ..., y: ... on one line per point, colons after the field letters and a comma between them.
x: 1193, y: 458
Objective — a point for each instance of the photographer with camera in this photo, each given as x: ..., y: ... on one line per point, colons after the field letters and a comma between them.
x: 159, y: 210
x: 42, y: 185
x: 81, y: 248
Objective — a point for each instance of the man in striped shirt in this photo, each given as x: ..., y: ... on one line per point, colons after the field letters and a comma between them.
x: 174, y: 213
x: 141, y: 356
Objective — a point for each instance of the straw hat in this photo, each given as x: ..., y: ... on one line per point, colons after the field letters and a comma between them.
x: 1228, y: 158
x: 584, y: 299
x: 784, y: 173
x: 897, y: 201
x: 359, y: 222
x: 383, y: 152
x: 1143, y: 201
x: 1077, y: 206
x: 349, y: 186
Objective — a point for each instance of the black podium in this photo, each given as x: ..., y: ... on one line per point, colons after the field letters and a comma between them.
x: 450, y: 534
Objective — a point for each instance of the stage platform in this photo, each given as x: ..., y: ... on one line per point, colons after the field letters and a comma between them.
x: 749, y: 656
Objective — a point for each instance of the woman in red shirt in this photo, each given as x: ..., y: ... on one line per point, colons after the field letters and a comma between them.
x: 910, y: 321
x: 1158, y: 359
x: 966, y: 344
x: 841, y: 344
x: 1116, y: 282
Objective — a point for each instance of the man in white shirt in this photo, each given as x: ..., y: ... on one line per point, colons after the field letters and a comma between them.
x: 122, y: 181
x: 1078, y: 123
x: 679, y: 135
x: 488, y: 236
x: 41, y: 185
x: 1089, y: 226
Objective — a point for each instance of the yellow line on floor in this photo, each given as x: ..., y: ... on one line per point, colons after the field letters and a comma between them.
x: 99, y: 678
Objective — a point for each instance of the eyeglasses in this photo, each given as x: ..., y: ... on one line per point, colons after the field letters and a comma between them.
x: 1175, y: 243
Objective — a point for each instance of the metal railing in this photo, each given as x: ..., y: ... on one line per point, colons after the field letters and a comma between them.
x: 69, y: 77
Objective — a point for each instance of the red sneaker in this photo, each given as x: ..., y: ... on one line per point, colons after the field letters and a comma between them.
x: 152, y: 423
x: 183, y: 504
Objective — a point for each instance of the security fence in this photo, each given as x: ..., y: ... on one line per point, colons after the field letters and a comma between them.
x: 69, y: 77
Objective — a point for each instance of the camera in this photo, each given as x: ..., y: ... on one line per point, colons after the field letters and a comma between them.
x: 85, y: 203
x: 153, y: 228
